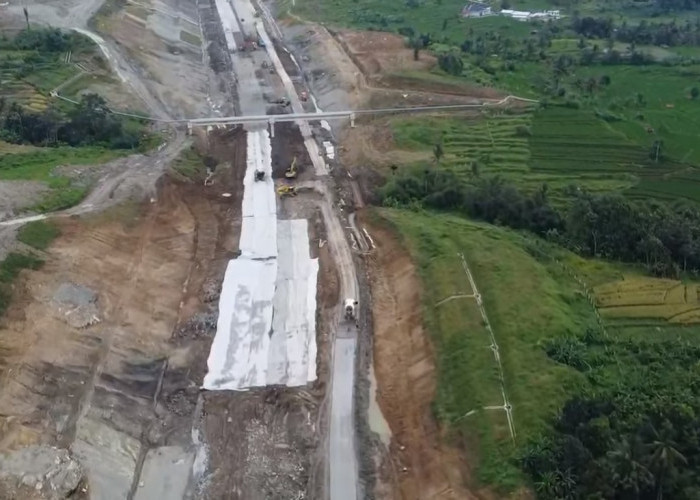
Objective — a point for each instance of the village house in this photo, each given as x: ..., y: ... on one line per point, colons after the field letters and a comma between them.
x: 476, y: 9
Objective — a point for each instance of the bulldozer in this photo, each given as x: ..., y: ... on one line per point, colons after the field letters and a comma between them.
x: 287, y: 191
x: 291, y: 172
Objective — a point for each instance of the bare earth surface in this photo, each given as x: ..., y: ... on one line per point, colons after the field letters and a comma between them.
x: 103, y: 349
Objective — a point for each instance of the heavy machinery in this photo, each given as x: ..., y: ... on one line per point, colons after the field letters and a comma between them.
x: 350, y: 309
x: 287, y: 191
x: 282, y: 100
x: 303, y: 95
x: 291, y: 172
x: 259, y: 175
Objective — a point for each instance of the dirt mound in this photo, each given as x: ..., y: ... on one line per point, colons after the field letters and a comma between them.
x: 421, y: 465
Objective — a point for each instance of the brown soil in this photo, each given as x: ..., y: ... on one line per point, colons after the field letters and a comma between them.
x: 377, y: 52
x: 383, y: 59
x: 405, y: 369
x: 373, y: 144
x: 286, y: 145
x: 139, y: 368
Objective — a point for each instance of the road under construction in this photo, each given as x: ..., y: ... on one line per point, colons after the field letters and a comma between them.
x: 279, y: 274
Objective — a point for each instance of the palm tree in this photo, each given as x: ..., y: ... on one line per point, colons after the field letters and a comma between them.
x: 664, y: 456
x: 629, y: 474
x: 438, y: 152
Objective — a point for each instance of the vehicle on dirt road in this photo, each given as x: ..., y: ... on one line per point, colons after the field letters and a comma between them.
x: 350, y: 309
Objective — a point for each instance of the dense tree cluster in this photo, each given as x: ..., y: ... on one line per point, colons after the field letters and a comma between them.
x: 644, y: 33
x: 633, y: 433
x: 665, y: 238
x: 44, y: 40
x: 90, y: 122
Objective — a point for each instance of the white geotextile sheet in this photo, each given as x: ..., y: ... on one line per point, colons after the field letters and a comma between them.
x: 229, y: 22
x: 259, y: 207
x: 266, y: 330
x: 293, y: 342
x: 239, y: 354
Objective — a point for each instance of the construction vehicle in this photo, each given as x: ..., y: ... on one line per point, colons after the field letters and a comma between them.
x: 287, y: 191
x: 259, y: 175
x: 350, y: 309
x: 282, y: 100
x: 291, y: 172
x: 303, y: 95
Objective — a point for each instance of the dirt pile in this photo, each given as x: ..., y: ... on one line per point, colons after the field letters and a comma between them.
x: 419, y: 465
x: 41, y: 473
x: 77, y: 305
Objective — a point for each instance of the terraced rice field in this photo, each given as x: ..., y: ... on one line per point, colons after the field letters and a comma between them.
x: 21, y: 92
x: 567, y: 141
x: 494, y: 142
x: 649, y: 298
x: 559, y: 146
x: 582, y: 147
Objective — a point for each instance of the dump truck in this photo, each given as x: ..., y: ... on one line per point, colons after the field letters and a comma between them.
x: 350, y: 309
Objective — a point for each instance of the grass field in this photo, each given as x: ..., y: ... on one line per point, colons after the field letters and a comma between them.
x: 189, y: 164
x: 424, y: 16
x: 526, y: 301
x: 38, y: 165
x: 668, y: 108
x: 38, y: 234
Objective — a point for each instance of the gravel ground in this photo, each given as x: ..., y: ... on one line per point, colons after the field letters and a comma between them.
x: 16, y: 195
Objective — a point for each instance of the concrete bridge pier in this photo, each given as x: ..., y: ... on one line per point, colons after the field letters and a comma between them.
x: 272, y: 128
x: 352, y: 120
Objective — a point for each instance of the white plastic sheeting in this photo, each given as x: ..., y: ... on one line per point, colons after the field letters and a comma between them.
x: 239, y: 352
x: 238, y: 357
x: 266, y: 330
x: 259, y: 209
x: 293, y: 349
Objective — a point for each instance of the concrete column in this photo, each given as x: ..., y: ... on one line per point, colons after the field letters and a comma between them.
x: 352, y: 120
x: 189, y: 128
x: 272, y: 128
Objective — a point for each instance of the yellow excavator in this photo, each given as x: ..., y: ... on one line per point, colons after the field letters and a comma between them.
x: 291, y: 172
x: 287, y: 191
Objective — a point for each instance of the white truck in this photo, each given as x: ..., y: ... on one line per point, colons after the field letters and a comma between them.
x: 350, y: 309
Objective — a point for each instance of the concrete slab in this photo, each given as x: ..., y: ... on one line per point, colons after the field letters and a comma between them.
x: 109, y: 457
x: 293, y: 342
x: 342, y: 445
x: 165, y: 474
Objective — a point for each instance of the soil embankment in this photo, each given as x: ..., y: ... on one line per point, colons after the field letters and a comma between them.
x: 420, y: 465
